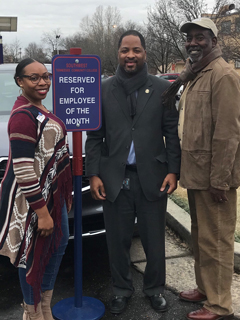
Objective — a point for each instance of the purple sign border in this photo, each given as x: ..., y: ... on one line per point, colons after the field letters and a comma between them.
x: 79, y: 57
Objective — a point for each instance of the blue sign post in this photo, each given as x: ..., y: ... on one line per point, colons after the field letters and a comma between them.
x: 77, y: 102
x: 1, y: 50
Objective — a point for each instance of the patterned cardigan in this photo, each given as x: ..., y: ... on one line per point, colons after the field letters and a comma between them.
x: 38, y: 172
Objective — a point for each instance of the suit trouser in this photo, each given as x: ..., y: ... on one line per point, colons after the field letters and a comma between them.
x: 213, y: 226
x: 119, y: 219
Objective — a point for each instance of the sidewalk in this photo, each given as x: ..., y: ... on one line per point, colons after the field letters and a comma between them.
x: 97, y: 279
x: 179, y: 259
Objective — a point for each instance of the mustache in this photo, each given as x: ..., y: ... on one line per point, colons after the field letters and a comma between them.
x: 131, y: 60
x: 194, y: 48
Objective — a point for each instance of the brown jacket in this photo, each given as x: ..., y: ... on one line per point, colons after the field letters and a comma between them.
x: 211, y: 129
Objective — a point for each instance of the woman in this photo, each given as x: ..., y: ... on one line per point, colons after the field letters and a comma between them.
x: 36, y: 191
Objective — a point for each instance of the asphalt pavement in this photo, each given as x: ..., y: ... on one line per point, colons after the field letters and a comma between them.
x: 97, y: 280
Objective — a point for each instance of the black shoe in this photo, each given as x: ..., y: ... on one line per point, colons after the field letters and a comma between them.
x: 158, y: 303
x: 118, y: 304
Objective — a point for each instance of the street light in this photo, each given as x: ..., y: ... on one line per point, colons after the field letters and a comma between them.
x: 57, y: 37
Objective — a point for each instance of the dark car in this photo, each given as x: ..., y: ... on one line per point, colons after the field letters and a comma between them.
x: 171, y: 77
x: 92, y: 212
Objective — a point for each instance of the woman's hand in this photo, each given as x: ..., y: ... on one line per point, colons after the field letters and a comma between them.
x: 45, y: 222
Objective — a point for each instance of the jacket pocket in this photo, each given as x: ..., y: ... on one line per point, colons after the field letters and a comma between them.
x: 162, y: 157
x: 197, y: 131
x: 195, y: 170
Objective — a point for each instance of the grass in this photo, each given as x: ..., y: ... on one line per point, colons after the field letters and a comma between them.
x: 180, y: 198
x: 180, y: 201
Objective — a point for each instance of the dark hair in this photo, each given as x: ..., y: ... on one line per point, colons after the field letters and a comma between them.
x: 20, y: 68
x: 132, y: 33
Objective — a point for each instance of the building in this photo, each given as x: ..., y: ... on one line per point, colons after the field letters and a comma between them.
x: 227, y: 21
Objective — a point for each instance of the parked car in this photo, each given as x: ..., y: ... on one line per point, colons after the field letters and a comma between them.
x: 171, y: 77
x: 92, y: 212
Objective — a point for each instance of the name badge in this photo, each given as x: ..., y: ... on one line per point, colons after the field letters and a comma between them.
x: 41, y: 117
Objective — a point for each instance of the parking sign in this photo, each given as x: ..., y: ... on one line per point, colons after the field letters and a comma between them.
x: 77, y: 91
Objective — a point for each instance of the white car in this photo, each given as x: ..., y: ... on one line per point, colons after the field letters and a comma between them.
x: 92, y: 212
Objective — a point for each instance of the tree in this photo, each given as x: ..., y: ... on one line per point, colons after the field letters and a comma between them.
x: 75, y: 41
x: 100, y: 30
x: 13, y: 51
x: 228, y: 24
x: 52, y: 41
x: 112, y: 54
x: 36, y: 52
x: 5, y: 52
x: 165, y: 41
x: 99, y: 35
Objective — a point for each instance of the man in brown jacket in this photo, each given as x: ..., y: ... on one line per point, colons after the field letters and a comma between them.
x: 209, y: 132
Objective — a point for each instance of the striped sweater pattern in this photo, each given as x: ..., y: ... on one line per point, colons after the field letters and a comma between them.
x: 38, y: 172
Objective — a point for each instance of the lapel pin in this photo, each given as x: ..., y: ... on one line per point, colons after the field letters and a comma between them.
x: 147, y: 90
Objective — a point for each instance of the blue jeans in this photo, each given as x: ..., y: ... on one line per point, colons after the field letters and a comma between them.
x: 52, y: 268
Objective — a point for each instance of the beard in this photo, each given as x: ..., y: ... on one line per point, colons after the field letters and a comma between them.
x: 195, y: 54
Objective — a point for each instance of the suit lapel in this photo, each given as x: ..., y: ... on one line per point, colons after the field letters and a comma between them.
x: 144, y: 93
x: 120, y: 96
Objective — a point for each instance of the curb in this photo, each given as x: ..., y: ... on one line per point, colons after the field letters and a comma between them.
x: 179, y: 221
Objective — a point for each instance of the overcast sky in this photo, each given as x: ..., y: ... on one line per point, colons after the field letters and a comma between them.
x: 37, y: 17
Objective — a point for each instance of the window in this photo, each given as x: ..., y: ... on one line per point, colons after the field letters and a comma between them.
x: 9, y: 92
x: 237, y: 64
x: 237, y: 24
x: 226, y: 27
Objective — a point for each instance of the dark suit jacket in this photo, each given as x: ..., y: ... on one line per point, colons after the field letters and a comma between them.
x: 107, y: 149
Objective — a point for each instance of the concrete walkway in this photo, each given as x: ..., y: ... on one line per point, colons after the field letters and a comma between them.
x: 179, y: 259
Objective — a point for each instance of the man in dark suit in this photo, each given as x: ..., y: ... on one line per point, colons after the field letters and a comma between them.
x: 132, y: 169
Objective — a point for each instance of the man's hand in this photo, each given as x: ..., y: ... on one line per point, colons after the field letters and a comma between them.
x: 171, y: 180
x: 218, y: 195
x: 97, y: 188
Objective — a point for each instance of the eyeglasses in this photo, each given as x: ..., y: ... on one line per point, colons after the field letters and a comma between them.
x: 35, y: 78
